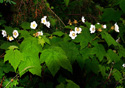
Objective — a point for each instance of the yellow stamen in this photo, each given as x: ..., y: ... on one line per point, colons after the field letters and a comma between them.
x: 77, y: 29
x: 73, y: 34
x: 34, y: 25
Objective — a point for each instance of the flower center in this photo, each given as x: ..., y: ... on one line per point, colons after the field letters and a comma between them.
x: 11, y: 38
x: 93, y: 29
x: 43, y: 21
x: 15, y: 33
x: 73, y: 34
x: 77, y: 29
x: 34, y: 25
x: 4, y: 33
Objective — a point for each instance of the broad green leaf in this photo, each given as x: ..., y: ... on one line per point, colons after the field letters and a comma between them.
x: 1, y: 1
x: 117, y: 75
x: 111, y: 56
x: 55, y: 57
x: 121, y: 51
x: 92, y: 65
x: 14, y: 57
x: 99, y: 50
x: 70, y: 49
x: 111, y: 15
x: 24, y: 34
x: 30, y: 45
x: 84, y: 38
x: 61, y: 85
x: 108, y: 38
x: 122, y: 5
x: 66, y: 2
x: 31, y: 63
x: 71, y: 84
x: 25, y: 25
x: 58, y: 33
x: 102, y: 70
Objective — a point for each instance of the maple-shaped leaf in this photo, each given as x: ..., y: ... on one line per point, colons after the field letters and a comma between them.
x: 70, y: 49
x: 30, y: 45
x: 108, y: 38
x: 99, y: 50
x: 111, y: 56
x: 14, y: 57
x: 84, y: 38
x: 54, y: 57
x: 31, y: 63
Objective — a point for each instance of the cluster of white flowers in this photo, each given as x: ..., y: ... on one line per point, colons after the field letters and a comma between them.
x: 45, y: 22
x: 38, y: 33
x: 92, y: 28
x: 73, y: 34
x: 10, y: 38
x: 34, y: 25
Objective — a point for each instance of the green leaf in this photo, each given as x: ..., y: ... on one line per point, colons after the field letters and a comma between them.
x: 108, y: 38
x: 84, y: 38
x: 1, y: 1
x: 13, y: 47
x: 61, y: 85
x: 111, y: 56
x: 25, y: 25
x: 55, y: 57
x: 24, y: 34
x: 58, y: 33
x: 70, y: 50
x: 71, y: 84
x: 66, y: 2
x: 14, y: 57
x: 13, y: 2
x: 117, y: 75
x: 46, y: 39
x: 41, y: 41
x: 102, y: 70
x: 111, y: 15
x: 122, y: 5
x: 100, y: 52
x: 31, y: 45
x: 30, y: 50
x: 31, y: 63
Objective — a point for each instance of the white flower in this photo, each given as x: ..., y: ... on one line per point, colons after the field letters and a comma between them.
x: 73, y: 34
x: 123, y: 65
x: 4, y: 33
x: 104, y: 26
x: 116, y: 27
x: 15, y: 33
x: 92, y: 29
x: 78, y: 30
x: 48, y: 24
x: 83, y: 19
x: 11, y: 38
x: 98, y: 23
x: 117, y: 40
x: 33, y: 25
x: 43, y: 20
x: 40, y: 33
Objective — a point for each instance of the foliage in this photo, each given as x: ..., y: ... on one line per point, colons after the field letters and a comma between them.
x: 51, y: 58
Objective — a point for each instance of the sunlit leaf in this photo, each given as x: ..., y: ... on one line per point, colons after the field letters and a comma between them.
x: 14, y: 57
x: 55, y: 57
